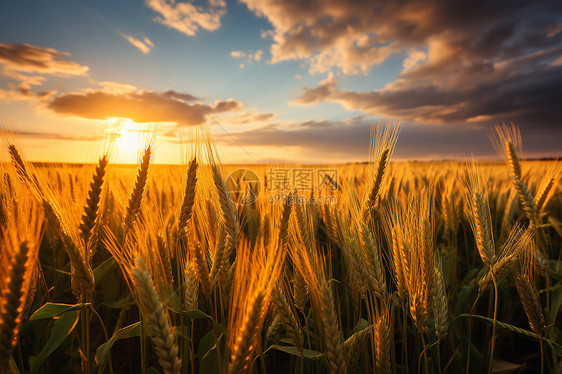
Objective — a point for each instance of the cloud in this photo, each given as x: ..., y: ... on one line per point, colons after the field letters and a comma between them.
x: 15, y: 93
x: 529, y: 96
x: 54, y: 136
x: 354, y: 35
x: 28, y: 58
x: 477, y: 62
x: 333, y: 142
x: 139, y: 106
x: 248, y: 117
x: 21, y: 92
x: 250, y: 57
x: 316, y: 95
x: 186, y: 17
x: 30, y: 66
x: 143, y: 45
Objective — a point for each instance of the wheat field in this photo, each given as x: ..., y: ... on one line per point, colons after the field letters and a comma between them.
x: 399, y: 267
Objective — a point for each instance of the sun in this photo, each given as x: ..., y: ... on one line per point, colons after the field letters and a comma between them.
x: 127, y: 134
x: 128, y: 139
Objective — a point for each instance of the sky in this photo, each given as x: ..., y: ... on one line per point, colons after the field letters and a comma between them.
x: 279, y: 81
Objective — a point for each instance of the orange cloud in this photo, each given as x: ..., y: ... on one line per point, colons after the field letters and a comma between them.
x: 142, y: 106
x: 143, y: 45
x: 186, y: 17
x: 32, y: 59
x: 248, y: 118
x: 250, y: 57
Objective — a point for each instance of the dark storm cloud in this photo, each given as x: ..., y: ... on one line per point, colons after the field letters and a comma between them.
x: 464, y: 62
x: 354, y: 35
x: 529, y: 96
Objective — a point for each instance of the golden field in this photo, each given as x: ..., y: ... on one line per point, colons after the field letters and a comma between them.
x: 438, y: 267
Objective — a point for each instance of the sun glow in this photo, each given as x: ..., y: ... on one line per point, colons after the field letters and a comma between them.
x: 128, y: 138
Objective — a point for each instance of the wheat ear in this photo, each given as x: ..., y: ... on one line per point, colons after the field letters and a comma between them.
x: 164, y: 255
x: 241, y: 354
x: 303, y: 223
x: 136, y: 196
x: 227, y: 208
x: 4, y: 215
x: 332, y: 334
x: 382, y: 344
x: 153, y: 309
x: 354, y: 347
x: 202, y: 269
x: 91, y: 209
x: 284, y: 230
x: 188, y: 197
x: 373, y: 260
x: 218, y: 257
x: 399, y: 265
x: 440, y: 305
x: 288, y: 318
x: 13, y: 304
x: 513, y: 160
x: 531, y: 301
x: 300, y: 291
x: 82, y: 276
x: 525, y: 197
x: 275, y: 330
x: 375, y: 187
x: 483, y: 228
x: 19, y: 164
x: 543, y: 193
x: 191, y: 288
x: 500, y: 269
